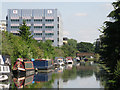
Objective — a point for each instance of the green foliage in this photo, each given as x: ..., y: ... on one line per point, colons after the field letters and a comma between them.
x: 24, y: 32
x: 16, y: 47
x: 85, y: 47
x: 110, y: 40
x: 117, y: 70
x: 47, y: 48
x: 110, y: 45
x: 70, y: 48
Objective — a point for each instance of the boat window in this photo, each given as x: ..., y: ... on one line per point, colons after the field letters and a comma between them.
x: 21, y: 66
x: 69, y: 62
x: 28, y: 65
x: 4, y: 68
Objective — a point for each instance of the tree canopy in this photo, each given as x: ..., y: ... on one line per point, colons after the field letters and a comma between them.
x: 85, y: 47
x: 110, y: 43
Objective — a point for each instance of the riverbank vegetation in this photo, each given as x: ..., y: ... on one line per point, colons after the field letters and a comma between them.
x: 110, y: 45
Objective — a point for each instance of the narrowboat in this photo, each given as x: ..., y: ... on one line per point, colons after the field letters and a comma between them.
x: 4, y: 69
x: 4, y: 86
x: 59, y: 60
x: 23, y: 67
x: 42, y: 64
x: 77, y: 59
x: 69, y: 60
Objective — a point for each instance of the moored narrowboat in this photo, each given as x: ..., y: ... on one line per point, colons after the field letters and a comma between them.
x: 59, y: 60
x: 69, y: 60
x: 23, y: 67
x: 42, y: 64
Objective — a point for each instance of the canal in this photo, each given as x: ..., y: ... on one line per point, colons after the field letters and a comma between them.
x: 69, y: 76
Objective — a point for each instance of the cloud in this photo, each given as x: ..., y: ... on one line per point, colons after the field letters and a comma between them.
x: 81, y: 14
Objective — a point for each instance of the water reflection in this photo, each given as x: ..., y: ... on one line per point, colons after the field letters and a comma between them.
x: 68, y: 76
x: 21, y: 82
x: 42, y: 77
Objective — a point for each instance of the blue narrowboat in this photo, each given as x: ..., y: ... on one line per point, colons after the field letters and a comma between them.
x: 42, y: 64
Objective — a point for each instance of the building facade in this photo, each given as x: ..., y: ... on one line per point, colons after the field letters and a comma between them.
x: 3, y: 25
x: 45, y: 24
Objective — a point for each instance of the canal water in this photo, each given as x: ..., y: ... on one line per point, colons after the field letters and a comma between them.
x: 69, y: 76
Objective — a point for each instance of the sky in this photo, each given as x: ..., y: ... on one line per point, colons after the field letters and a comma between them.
x: 81, y: 20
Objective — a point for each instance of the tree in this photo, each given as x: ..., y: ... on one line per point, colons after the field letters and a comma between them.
x: 110, y: 43
x: 110, y: 40
x: 24, y: 31
x: 85, y: 47
x: 70, y: 48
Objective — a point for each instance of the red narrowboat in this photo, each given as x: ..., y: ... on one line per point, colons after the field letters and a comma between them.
x: 23, y: 67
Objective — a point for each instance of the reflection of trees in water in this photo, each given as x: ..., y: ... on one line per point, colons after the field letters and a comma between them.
x: 85, y: 71
x: 82, y: 71
x: 69, y: 74
x: 103, y: 76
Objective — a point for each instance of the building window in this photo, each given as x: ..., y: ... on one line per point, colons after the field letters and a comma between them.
x: 14, y: 26
x: 14, y: 20
x: 49, y: 20
x: 37, y: 26
x: 57, y: 25
x: 16, y: 34
x: 49, y: 33
x: 38, y: 20
x: 58, y: 19
x: 37, y: 34
x: 58, y: 39
x: 58, y: 32
x: 52, y: 40
x: 27, y: 20
x: 49, y: 26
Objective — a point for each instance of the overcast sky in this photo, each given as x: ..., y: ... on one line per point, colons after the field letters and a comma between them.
x: 81, y: 20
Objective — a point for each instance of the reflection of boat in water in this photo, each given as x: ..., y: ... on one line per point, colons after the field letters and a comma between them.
x: 69, y: 66
x: 59, y: 70
x: 22, y: 67
x: 42, y: 77
x: 3, y: 77
x: 4, y: 86
x: 20, y: 82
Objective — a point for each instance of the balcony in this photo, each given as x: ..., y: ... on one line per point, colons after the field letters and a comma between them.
x: 38, y: 38
x: 37, y: 31
x: 49, y: 38
x: 14, y: 24
x: 14, y: 17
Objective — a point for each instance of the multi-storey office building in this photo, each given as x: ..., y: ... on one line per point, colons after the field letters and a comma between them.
x: 45, y: 24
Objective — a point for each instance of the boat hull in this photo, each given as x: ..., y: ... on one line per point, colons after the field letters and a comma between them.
x: 22, y: 73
